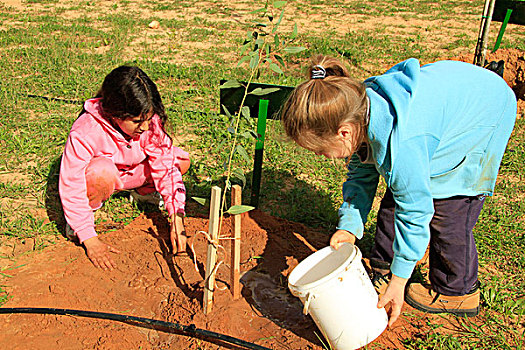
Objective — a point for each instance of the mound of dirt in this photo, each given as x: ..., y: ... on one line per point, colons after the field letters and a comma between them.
x: 150, y: 282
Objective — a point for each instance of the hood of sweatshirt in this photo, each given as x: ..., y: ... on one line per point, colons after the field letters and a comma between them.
x: 94, y: 108
x: 390, y: 96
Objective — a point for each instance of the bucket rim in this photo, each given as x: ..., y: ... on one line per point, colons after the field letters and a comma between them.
x: 324, y: 251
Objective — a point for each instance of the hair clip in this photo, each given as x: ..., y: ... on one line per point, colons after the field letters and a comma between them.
x: 318, y: 72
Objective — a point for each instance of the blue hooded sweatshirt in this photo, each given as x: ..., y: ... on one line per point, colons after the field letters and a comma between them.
x: 435, y: 131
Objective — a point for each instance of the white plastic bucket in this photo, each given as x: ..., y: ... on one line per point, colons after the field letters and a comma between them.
x: 337, y: 292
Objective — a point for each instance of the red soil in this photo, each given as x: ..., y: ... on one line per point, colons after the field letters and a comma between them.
x: 150, y: 282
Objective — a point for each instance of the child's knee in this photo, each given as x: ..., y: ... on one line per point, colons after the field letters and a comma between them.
x: 102, y: 178
x: 184, y: 165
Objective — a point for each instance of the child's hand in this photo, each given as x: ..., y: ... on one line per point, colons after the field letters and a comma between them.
x: 395, y: 294
x: 341, y: 236
x: 178, y: 234
x: 98, y: 253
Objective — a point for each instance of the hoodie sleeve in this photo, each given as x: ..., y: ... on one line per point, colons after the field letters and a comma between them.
x: 410, y: 186
x: 164, y: 160
x: 358, y: 194
x: 72, y: 186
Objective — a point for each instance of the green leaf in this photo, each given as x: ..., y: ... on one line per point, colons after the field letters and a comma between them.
x: 226, y: 111
x: 294, y: 49
x: 239, y: 175
x: 245, y: 47
x: 278, y: 22
x: 254, y: 61
x: 261, y: 91
x: 276, y: 68
x: 230, y: 84
x: 245, y: 111
x: 239, y: 209
x: 279, y: 4
x: 249, y: 135
x: 279, y: 59
x: 240, y: 149
x: 258, y: 10
x: 201, y: 201
x: 276, y: 40
x: 294, y: 33
x: 242, y: 60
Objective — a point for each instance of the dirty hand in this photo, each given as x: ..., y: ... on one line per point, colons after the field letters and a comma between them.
x: 178, y: 234
x: 395, y: 294
x: 98, y: 253
x: 341, y: 236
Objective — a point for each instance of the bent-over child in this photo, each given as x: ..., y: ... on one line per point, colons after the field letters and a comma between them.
x: 436, y: 134
x: 118, y: 142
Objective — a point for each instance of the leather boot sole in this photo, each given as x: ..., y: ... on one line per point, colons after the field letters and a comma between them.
x: 424, y: 299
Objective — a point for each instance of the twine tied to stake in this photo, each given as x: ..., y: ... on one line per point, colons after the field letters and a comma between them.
x: 217, y: 264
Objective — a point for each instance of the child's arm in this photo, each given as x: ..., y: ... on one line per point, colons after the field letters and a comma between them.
x: 75, y: 202
x: 340, y: 237
x: 98, y: 253
x: 358, y: 194
x: 72, y: 187
x: 414, y: 206
x: 165, y: 162
x: 395, y: 293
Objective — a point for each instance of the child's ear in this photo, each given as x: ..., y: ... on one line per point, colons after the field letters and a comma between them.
x: 347, y: 131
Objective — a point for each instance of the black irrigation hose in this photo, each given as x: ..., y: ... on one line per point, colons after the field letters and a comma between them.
x: 141, y: 321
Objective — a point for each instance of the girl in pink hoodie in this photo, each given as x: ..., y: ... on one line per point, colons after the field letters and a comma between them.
x: 119, y: 143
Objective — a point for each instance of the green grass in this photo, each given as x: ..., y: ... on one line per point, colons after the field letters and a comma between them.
x: 65, y: 51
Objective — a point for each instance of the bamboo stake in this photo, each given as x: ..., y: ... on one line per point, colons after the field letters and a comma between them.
x: 211, y: 259
x: 236, y: 245
x: 486, y: 31
x: 481, y: 46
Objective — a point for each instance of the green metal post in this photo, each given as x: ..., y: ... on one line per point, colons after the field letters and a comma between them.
x: 502, y: 29
x: 259, y: 148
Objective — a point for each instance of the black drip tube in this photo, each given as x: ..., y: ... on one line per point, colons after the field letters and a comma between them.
x: 191, y: 330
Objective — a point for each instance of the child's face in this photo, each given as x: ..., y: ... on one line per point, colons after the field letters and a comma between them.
x: 337, y: 149
x: 135, y: 126
x: 341, y: 145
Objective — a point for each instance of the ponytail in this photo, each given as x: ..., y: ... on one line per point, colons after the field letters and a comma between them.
x: 317, y: 108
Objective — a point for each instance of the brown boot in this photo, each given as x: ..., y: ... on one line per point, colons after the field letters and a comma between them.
x: 425, y: 299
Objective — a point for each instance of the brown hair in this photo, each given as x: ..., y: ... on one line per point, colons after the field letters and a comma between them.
x: 317, y: 107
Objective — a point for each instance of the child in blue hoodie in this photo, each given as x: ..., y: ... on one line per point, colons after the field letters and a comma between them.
x: 436, y: 134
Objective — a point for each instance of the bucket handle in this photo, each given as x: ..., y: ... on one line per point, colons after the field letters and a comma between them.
x: 309, y: 297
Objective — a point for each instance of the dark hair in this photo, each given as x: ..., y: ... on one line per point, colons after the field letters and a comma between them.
x: 127, y: 92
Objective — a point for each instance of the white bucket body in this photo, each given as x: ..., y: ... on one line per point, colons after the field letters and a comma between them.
x: 337, y: 292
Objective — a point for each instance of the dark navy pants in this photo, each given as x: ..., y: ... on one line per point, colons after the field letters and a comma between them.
x: 453, y: 257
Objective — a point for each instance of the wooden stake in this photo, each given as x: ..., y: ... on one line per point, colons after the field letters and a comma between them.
x: 236, y: 245
x: 211, y: 259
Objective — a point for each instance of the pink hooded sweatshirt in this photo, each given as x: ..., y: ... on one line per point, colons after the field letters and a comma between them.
x: 93, y: 136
